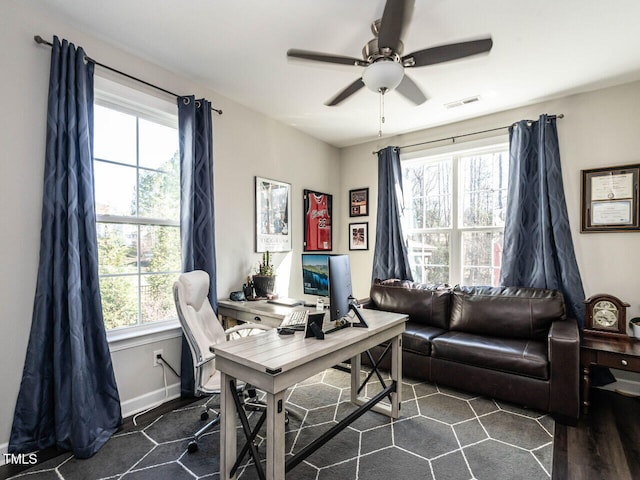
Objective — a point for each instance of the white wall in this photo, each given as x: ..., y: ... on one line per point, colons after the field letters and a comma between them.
x: 599, y: 129
x: 245, y: 144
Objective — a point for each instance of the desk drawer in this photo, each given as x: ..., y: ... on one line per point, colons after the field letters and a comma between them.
x: 619, y: 361
x: 249, y: 317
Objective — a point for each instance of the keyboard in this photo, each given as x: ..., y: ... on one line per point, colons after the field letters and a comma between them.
x: 295, y: 320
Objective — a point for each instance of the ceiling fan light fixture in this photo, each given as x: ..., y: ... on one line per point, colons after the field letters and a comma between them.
x: 383, y: 75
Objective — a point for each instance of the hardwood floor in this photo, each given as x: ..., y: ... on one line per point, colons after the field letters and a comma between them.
x: 604, y: 445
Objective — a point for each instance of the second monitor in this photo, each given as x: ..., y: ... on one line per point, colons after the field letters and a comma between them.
x: 341, y: 299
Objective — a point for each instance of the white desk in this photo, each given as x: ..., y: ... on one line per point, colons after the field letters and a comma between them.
x: 273, y: 363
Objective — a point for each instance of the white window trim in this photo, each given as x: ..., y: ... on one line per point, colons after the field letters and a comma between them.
x: 132, y: 337
x: 127, y: 99
x: 455, y: 151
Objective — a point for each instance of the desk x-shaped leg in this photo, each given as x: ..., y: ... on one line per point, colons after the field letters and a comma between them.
x: 249, y: 445
x: 374, y: 369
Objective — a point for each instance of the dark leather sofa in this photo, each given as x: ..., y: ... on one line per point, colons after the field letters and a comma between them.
x: 508, y: 343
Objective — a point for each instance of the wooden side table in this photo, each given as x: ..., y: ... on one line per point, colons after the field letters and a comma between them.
x: 622, y: 354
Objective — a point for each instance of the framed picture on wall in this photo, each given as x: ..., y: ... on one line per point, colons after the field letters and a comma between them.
x: 359, y: 236
x: 273, y: 210
x: 359, y: 202
x: 318, y: 210
x: 610, y: 199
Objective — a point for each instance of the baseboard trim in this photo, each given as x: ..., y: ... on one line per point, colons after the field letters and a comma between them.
x: 149, y: 400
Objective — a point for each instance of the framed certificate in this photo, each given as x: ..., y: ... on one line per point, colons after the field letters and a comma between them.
x: 610, y: 199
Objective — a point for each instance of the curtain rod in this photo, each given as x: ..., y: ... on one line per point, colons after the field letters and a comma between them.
x: 40, y: 40
x: 453, y: 139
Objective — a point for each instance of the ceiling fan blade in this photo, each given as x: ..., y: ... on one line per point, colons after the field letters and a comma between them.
x: 324, y: 57
x: 346, y: 93
x: 410, y: 90
x: 395, y: 18
x: 446, y: 53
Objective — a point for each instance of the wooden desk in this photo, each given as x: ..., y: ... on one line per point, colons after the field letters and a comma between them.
x: 273, y: 363
x: 260, y: 311
x: 622, y: 354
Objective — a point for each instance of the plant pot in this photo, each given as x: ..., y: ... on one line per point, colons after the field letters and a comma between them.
x: 634, y: 323
x: 264, y: 285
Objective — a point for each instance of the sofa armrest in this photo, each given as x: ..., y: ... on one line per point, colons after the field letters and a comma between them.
x: 366, y: 303
x: 564, y: 364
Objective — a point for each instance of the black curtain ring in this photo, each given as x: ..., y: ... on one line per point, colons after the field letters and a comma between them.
x: 186, y: 100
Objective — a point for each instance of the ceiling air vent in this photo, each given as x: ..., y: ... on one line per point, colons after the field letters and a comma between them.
x: 464, y: 101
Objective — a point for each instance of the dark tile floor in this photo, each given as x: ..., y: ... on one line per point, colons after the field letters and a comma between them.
x: 443, y: 434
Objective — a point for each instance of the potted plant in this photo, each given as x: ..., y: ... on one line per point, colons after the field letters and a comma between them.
x: 264, y: 281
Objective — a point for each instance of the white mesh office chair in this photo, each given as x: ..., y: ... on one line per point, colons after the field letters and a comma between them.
x: 202, y: 329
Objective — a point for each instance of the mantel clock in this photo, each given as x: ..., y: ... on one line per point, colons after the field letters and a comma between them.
x: 606, y: 316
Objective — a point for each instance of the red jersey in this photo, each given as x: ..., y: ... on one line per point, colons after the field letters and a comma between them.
x: 318, y: 223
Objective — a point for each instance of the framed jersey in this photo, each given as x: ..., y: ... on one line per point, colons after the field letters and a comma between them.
x: 318, y: 211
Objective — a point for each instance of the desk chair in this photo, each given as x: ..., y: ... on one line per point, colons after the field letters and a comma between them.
x: 202, y: 329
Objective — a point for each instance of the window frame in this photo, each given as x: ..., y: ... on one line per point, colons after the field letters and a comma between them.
x: 141, y: 104
x: 455, y: 152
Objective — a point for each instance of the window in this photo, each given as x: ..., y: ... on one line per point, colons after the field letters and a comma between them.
x: 137, y: 192
x: 455, y: 209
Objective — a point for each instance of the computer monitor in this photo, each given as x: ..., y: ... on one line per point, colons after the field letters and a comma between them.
x: 341, y: 299
x: 315, y: 274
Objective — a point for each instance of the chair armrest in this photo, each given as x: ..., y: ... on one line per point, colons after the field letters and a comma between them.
x: 244, y: 330
x: 564, y: 365
x: 205, y: 361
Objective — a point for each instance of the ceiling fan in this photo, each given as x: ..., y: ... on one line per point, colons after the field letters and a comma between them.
x: 383, y: 60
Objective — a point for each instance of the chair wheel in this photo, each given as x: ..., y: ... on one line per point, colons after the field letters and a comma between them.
x: 286, y: 419
x: 193, y: 447
x: 204, y: 415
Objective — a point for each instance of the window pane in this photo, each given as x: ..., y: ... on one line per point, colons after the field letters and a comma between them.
x: 114, y: 137
x: 160, y: 193
x: 119, y: 301
x: 138, y: 262
x: 160, y: 249
x: 158, y: 144
x: 115, y: 189
x: 156, y: 297
x: 481, y: 258
x: 429, y: 257
x: 117, y: 248
x: 428, y: 194
x: 484, y: 186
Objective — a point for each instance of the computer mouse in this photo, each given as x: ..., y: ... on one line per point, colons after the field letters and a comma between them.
x: 286, y: 331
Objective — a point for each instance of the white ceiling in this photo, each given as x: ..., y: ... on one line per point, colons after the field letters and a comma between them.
x: 542, y: 49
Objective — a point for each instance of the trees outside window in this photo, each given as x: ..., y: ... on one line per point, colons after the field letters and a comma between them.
x: 454, y: 219
x: 137, y: 190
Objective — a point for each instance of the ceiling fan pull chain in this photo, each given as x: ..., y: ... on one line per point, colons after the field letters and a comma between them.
x: 381, y: 112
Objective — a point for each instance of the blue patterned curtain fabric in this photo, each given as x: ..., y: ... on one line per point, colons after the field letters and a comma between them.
x: 197, y: 220
x: 68, y: 396
x: 538, y: 248
x: 390, y: 255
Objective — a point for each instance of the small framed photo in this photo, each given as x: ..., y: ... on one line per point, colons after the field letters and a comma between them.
x: 610, y: 199
x: 359, y: 202
x: 359, y: 236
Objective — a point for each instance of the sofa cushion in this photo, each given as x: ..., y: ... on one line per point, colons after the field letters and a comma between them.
x: 514, y: 312
x: 417, y: 338
x: 522, y: 357
x: 424, y: 304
